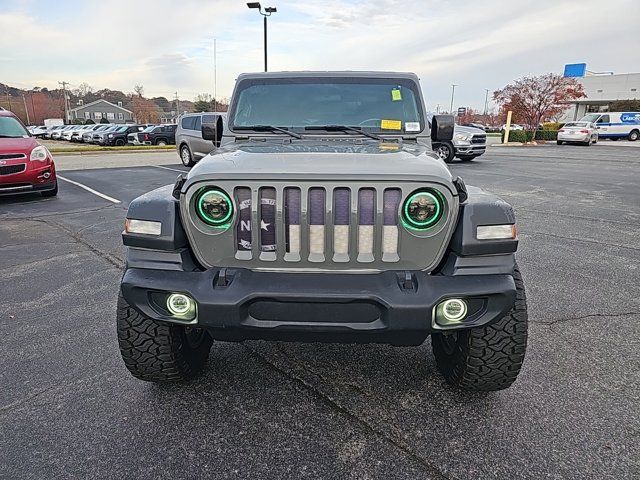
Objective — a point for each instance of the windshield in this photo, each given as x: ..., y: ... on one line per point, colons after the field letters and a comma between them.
x: 592, y: 117
x: 11, y: 128
x: 149, y: 128
x: 390, y: 106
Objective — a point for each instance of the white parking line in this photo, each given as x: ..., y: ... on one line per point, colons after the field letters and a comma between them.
x: 89, y: 189
x: 169, y: 168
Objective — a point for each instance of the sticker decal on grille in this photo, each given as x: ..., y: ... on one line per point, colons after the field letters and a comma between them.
x: 243, y: 230
x: 268, y: 220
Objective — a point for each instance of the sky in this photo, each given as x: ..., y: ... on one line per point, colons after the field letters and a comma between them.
x: 167, y: 45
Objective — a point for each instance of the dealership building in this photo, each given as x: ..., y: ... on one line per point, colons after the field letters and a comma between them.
x: 601, y: 89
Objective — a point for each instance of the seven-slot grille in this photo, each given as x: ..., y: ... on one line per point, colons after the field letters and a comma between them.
x: 12, y: 169
x: 318, y: 224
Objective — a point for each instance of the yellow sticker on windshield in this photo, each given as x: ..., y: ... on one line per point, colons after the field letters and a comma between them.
x: 396, y: 95
x: 391, y: 124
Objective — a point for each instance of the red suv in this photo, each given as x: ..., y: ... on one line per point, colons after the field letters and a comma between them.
x: 25, y: 165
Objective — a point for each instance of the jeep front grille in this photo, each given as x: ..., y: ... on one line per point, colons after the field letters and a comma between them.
x: 310, y: 226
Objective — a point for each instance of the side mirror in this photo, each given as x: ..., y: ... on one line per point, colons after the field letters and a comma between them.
x: 212, y: 128
x: 442, y: 128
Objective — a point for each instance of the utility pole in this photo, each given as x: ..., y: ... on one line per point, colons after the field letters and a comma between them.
x: 486, y: 101
x: 215, y: 77
x: 24, y: 100
x: 453, y: 90
x: 177, y: 106
x: 6, y: 89
x: 66, y: 100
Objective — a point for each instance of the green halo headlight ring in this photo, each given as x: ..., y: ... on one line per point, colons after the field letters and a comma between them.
x: 206, y: 217
x: 429, y: 222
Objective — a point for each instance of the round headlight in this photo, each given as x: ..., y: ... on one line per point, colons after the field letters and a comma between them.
x: 422, y: 210
x: 214, y: 207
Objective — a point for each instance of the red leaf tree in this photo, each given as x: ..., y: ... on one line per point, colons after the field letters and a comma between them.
x: 534, y: 99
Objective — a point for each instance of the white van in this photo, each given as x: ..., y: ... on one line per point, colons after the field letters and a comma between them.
x: 615, y: 125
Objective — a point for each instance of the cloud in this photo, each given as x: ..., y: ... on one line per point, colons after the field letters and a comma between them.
x: 167, y: 45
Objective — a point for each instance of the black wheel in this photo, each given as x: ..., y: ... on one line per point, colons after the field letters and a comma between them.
x: 445, y: 151
x: 120, y: 143
x: 559, y: 142
x: 51, y: 193
x: 186, y: 157
x: 161, y: 143
x: 160, y: 352
x: 485, y: 358
x: 468, y: 158
x: 634, y: 135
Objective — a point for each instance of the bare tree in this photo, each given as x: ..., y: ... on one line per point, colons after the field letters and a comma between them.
x: 139, y: 90
x: 83, y: 90
x: 534, y: 99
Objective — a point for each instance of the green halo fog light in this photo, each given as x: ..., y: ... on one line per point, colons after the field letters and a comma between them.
x: 454, y: 309
x: 180, y: 305
x: 422, y: 210
x: 214, y: 207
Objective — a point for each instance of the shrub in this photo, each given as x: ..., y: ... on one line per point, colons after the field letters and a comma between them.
x: 522, y: 136
x: 552, y: 126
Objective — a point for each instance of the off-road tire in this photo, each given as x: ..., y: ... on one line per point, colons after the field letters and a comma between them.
x: 186, y: 157
x: 156, y: 351
x: 486, y: 358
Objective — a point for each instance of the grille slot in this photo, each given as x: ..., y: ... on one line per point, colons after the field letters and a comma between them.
x: 12, y: 169
x: 479, y: 138
x: 12, y: 156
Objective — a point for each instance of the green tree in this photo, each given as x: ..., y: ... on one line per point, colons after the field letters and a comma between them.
x: 203, y: 103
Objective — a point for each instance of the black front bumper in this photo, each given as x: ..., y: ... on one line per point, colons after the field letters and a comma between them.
x: 387, y: 307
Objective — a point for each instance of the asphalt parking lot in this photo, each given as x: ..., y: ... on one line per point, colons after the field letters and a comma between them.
x: 69, y: 408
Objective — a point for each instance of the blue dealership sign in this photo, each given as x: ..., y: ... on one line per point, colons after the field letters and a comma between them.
x: 575, y: 69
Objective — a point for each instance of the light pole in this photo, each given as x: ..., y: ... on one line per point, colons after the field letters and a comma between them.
x: 265, y: 13
x: 453, y: 90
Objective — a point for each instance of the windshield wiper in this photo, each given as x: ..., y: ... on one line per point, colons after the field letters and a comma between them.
x: 11, y: 136
x: 269, y: 128
x: 343, y: 128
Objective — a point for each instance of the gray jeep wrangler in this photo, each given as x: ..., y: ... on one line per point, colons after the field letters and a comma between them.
x: 323, y: 215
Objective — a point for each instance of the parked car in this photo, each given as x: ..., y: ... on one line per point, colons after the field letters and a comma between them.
x: 98, y: 137
x: 513, y: 126
x: 66, y: 134
x: 475, y: 125
x: 118, y: 137
x: 158, y: 135
x: 616, y: 125
x: 51, y: 130
x: 57, y: 134
x: 76, y: 133
x: 38, y: 131
x: 467, y: 143
x: 584, y: 133
x: 25, y: 165
x: 317, y: 230
x: 189, y: 142
x: 87, y: 135
x: 132, y: 138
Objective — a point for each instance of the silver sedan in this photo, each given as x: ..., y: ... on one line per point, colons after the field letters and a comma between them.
x: 584, y: 133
